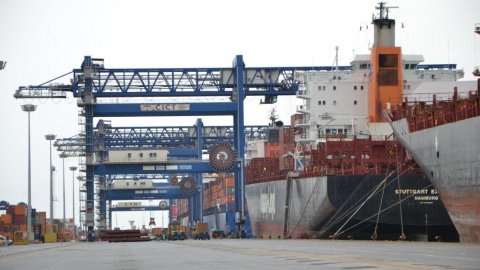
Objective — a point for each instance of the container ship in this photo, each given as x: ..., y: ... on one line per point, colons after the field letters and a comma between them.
x: 442, y: 136
x: 338, y: 171
x: 349, y: 187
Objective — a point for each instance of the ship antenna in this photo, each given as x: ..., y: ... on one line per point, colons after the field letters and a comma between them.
x: 383, y: 11
x: 335, y: 61
x: 272, y: 117
x: 336, y: 58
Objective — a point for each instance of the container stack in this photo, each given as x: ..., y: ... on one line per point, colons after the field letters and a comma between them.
x: 182, y: 205
x: 124, y: 236
x: 219, y: 193
x: 15, y: 220
x: 42, y: 221
x: 6, y: 226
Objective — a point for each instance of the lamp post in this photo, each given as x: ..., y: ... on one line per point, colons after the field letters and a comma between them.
x: 29, y: 108
x: 50, y: 138
x: 80, y: 220
x: 73, y: 169
x: 63, y: 156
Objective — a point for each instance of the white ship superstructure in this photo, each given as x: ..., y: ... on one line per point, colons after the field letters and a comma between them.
x: 335, y: 103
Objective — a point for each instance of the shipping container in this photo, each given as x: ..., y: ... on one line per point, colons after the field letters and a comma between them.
x: 55, y: 228
x: 20, y: 238
x: 22, y: 227
x: 201, y: 227
x: 19, y: 219
x: 20, y: 210
x: 230, y: 181
x: 6, y: 218
x: 37, y: 231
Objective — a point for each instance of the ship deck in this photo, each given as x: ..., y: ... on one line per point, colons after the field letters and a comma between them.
x: 243, y: 254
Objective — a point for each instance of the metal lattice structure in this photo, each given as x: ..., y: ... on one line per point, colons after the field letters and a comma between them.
x: 93, y: 83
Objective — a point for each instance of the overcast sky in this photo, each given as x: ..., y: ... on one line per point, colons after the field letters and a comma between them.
x: 44, y: 39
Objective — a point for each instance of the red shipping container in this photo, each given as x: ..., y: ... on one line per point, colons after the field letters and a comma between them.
x: 230, y: 181
x: 7, y: 219
x: 41, y: 218
x: 22, y: 227
x: 19, y: 219
x: 20, y: 210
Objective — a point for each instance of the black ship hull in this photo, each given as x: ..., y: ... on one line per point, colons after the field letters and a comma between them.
x: 348, y: 206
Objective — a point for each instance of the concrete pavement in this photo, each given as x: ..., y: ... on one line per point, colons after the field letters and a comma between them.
x: 243, y: 254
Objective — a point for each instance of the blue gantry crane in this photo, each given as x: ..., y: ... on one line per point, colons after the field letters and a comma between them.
x: 93, y: 82
x: 183, y: 137
x: 180, y: 142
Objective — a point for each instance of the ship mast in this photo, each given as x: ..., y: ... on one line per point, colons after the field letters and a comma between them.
x: 384, y: 31
x: 273, y: 116
x: 336, y: 58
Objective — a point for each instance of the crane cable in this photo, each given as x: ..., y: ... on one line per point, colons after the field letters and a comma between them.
x: 355, y: 205
x: 337, y: 233
x: 364, y: 202
x: 374, y: 236
x: 353, y: 226
x: 359, y: 207
x: 402, y: 236
x: 334, y: 219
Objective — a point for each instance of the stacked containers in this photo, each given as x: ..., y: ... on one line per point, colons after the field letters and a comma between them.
x: 6, y: 225
x: 219, y: 192
x: 37, y: 231
x: 55, y: 228
x: 61, y: 232
x: 230, y: 196
x: 182, y: 205
x: 20, y: 217
x: 16, y: 220
x: 41, y: 219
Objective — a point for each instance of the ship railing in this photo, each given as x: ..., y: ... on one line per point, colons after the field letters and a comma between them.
x: 440, y: 74
x: 302, y: 137
x: 339, y: 136
x: 341, y: 167
x: 423, y: 115
x: 427, y: 98
x: 251, y: 179
x: 348, y: 136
